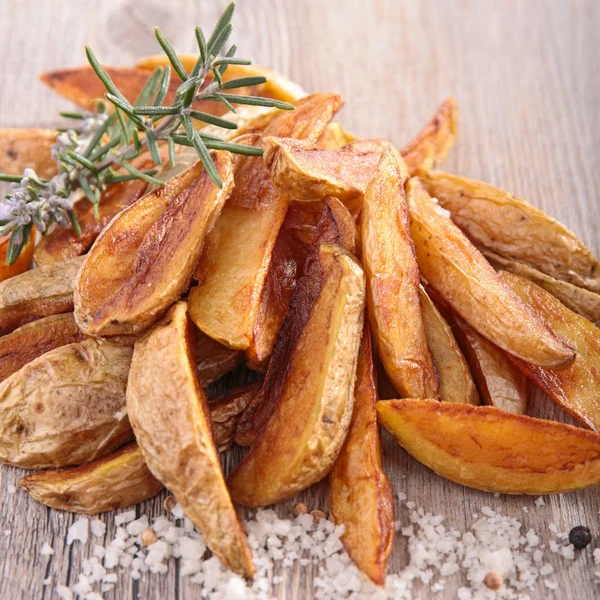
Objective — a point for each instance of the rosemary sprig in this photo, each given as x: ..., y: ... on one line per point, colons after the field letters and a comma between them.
x: 88, y: 153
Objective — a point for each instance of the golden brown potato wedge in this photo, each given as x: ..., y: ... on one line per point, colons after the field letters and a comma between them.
x: 225, y: 412
x: 66, y: 407
x: 22, y: 264
x: 27, y: 148
x: 37, y: 293
x: 393, y: 282
x: 360, y: 495
x: 171, y: 419
x: 116, y: 481
x: 233, y: 267
x: 433, y: 143
x: 456, y: 382
x: 514, y: 229
x: 213, y: 360
x: 492, y: 450
x: 34, y: 339
x: 334, y: 137
x: 144, y: 260
x: 310, y: 382
x: 576, y: 387
x: 468, y: 283
x: 577, y: 299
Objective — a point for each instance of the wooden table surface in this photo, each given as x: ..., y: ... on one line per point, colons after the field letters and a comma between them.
x: 527, y: 78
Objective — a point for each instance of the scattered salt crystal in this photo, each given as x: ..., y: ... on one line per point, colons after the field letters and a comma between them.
x: 551, y: 585
x: 47, y: 581
x: 64, y: 592
x: 525, y: 509
x: 82, y: 587
x: 46, y: 550
x: 546, y: 569
x: 177, y: 512
x: 11, y: 489
x: 464, y: 593
x: 125, y: 517
x: 99, y: 551
x: 568, y: 552
x: 138, y: 526
x: 97, y: 527
x: 540, y: 501
x: 402, y: 496
x: 78, y: 531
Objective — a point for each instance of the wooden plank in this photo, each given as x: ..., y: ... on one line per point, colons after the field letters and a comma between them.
x: 524, y: 74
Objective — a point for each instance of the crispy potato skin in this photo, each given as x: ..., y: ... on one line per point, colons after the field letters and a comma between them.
x: 213, y: 360
x: 116, y: 481
x: 314, y: 398
x: 143, y: 261
x: 434, y: 141
x: 22, y: 264
x: 360, y: 495
x: 468, y: 283
x: 393, y: 282
x: 456, y: 381
x: 488, y: 449
x: 514, y: 229
x: 171, y: 419
x: 27, y: 148
x: 66, y: 407
x: 577, y: 299
x: 232, y: 270
x: 34, y: 339
x: 37, y: 293
x: 575, y: 388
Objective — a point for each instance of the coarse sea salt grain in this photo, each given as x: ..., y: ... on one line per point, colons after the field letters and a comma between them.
x: 46, y: 549
x: 78, y: 531
x: 97, y: 527
x: 11, y: 489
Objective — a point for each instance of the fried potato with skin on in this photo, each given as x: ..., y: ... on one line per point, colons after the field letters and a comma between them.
x: 336, y: 226
x: 119, y: 480
x: 66, y: 407
x: 334, y: 136
x: 577, y: 299
x: 144, y: 260
x: 488, y: 449
x: 313, y: 398
x: 575, y: 388
x: 23, y: 262
x: 459, y: 273
x: 393, y: 303
x: 512, y: 228
x: 37, y: 293
x: 171, y: 419
x: 360, y: 494
x: 456, y: 381
x: 33, y: 339
x: 22, y: 149
x: 232, y: 270
x: 213, y: 360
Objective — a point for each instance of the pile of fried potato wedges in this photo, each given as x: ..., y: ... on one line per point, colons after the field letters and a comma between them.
x: 332, y: 265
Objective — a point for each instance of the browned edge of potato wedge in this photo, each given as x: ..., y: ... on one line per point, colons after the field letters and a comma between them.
x: 232, y: 270
x: 575, y: 298
x: 213, y: 360
x: 144, y: 260
x: 575, y: 388
x: 34, y: 339
x: 116, y: 481
x: 489, y: 449
x: 313, y: 408
x: 37, y: 293
x: 456, y: 381
x: 469, y: 284
x: 360, y: 494
x: 170, y: 416
x: 22, y: 149
x: 393, y: 303
x: 514, y: 229
x: 66, y: 407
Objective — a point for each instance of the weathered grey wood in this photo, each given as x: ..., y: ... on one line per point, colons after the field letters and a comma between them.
x: 525, y: 73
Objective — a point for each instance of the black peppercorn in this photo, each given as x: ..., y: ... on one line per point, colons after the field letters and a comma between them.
x: 580, y: 537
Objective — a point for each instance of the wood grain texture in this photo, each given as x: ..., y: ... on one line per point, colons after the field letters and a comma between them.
x: 526, y: 76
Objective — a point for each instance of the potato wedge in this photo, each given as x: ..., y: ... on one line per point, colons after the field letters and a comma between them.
x: 144, y: 260
x: 514, y: 229
x: 27, y: 148
x: 213, y: 360
x: 116, y: 481
x: 310, y: 384
x: 360, y: 494
x: 469, y: 284
x: 34, y: 339
x: 66, y: 407
x: 456, y: 381
x: 390, y: 265
x: 432, y: 144
x: 334, y: 137
x: 492, y: 450
x: 575, y: 388
x: 577, y: 299
x: 233, y: 267
x: 225, y: 412
x: 170, y: 416
x: 37, y: 293
x: 22, y: 264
